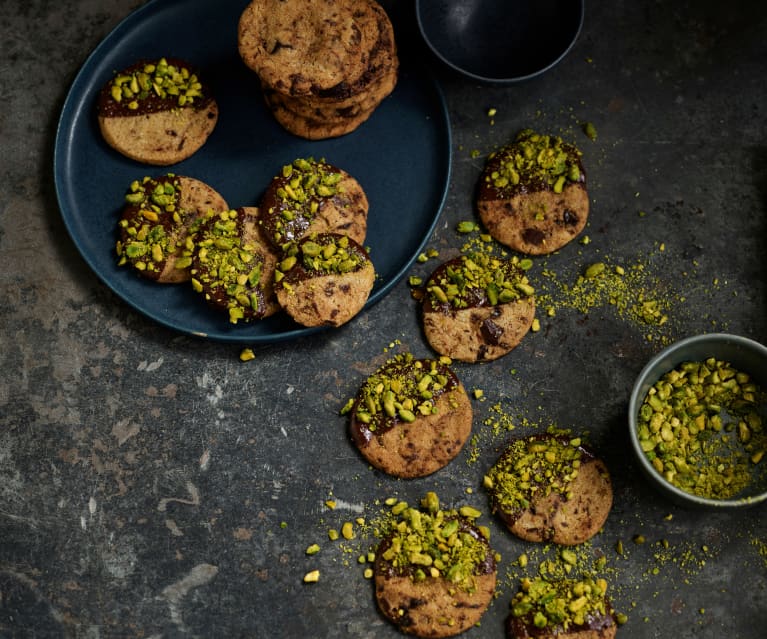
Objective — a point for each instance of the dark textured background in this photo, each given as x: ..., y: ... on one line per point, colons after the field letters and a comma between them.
x: 152, y: 485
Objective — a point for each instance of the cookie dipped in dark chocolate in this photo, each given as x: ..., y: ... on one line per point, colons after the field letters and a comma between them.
x: 383, y: 400
x: 312, y: 196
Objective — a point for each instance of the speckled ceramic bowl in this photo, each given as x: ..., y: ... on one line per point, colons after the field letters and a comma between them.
x: 744, y: 355
x: 497, y: 41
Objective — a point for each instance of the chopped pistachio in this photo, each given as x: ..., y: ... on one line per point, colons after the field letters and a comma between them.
x: 312, y: 577
x: 159, y: 79
x: 429, y: 543
x: 477, y: 275
x: 566, y: 603
x: 534, y: 158
x: 684, y: 422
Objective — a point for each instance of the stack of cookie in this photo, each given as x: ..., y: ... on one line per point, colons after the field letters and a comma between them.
x: 324, y: 67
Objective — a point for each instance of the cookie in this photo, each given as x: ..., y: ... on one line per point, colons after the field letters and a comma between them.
x: 477, y: 307
x: 233, y: 265
x: 561, y: 609
x: 549, y: 488
x: 156, y: 221
x: 532, y: 194
x: 324, y: 67
x: 156, y: 112
x: 324, y: 279
x: 334, y: 111
x: 434, y: 572
x: 312, y: 196
x: 305, y: 48
x: 411, y: 417
x: 312, y: 128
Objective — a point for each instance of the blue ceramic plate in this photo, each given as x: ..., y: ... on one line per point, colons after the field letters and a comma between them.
x: 401, y: 156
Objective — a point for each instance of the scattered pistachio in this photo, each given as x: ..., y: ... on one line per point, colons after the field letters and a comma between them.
x: 247, y: 354
x: 312, y: 577
x: 594, y: 270
x: 590, y: 130
x: 313, y: 549
x: 347, y: 530
x: 467, y: 227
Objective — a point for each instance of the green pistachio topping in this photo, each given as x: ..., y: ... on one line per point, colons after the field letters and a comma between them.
x: 322, y: 254
x: 476, y: 279
x: 560, y: 604
x: 156, y: 79
x: 432, y: 543
x: 533, y: 467
x: 700, y: 427
x: 401, y: 390
x: 535, y: 159
x: 228, y: 265
x: 304, y: 184
x: 146, y: 237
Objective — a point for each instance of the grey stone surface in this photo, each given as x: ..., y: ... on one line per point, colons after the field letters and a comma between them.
x: 153, y: 485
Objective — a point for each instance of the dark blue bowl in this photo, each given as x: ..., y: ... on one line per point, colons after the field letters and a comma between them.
x: 500, y: 41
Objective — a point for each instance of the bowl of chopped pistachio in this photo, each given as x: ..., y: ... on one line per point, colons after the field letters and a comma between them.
x: 497, y: 41
x: 698, y: 421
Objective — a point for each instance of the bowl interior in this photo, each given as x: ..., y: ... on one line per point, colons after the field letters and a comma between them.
x: 500, y: 40
x: 743, y: 354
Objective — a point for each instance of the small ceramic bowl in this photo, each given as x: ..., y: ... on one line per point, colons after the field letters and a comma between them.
x: 744, y: 355
x: 498, y: 41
